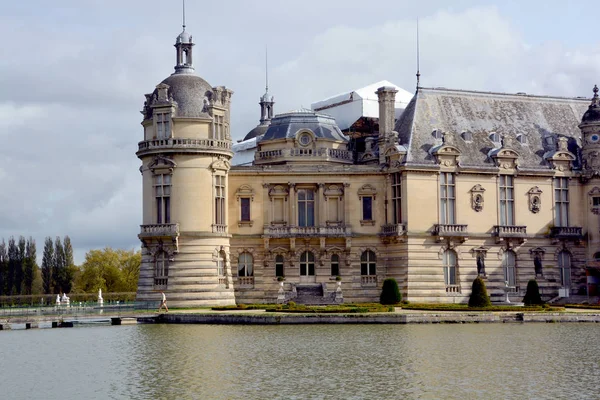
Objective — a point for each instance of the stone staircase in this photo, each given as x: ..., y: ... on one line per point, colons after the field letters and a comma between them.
x: 575, y: 299
x: 312, y: 295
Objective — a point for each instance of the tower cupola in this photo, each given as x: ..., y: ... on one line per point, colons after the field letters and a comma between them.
x: 183, y: 46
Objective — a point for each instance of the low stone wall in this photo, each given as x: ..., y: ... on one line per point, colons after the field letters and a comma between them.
x: 368, y: 318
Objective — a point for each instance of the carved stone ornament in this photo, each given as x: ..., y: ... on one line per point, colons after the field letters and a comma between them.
x: 477, y: 197
x: 594, y: 193
x: 535, y: 199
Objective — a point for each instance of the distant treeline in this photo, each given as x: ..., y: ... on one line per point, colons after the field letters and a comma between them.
x: 19, y: 271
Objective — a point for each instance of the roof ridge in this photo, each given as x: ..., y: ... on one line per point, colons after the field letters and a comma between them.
x: 518, y: 94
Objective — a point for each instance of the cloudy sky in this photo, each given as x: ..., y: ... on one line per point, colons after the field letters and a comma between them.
x: 73, y: 75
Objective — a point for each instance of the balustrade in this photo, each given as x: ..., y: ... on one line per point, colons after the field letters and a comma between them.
x: 368, y: 280
x: 219, y: 228
x: 566, y: 232
x: 181, y: 143
x: 159, y: 230
x: 290, y: 231
x: 247, y: 281
x: 452, y: 288
x: 393, y: 229
x: 510, y: 231
x: 450, y: 230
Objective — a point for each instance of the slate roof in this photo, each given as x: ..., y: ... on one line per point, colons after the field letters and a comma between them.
x: 189, y: 91
x: 257, y: 131
x: 482, y: 113
x: 287, y: 125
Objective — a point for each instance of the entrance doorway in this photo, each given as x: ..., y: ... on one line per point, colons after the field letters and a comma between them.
x: 307, y: 267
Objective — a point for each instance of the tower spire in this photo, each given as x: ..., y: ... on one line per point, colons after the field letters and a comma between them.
x: 418, y: 67
x: 266, y: 69
x: 266, y: 101
x: 183, y: 24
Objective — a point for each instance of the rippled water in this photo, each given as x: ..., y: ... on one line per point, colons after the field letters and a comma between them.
x: 487, y: 361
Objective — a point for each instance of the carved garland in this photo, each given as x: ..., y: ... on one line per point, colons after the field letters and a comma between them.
x: 535, y: 199
x: 477, y: 197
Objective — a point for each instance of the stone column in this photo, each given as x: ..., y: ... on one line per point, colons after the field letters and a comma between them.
x: 292, y: 206
x: 267, y: 205
x: 346, y: 204
x: 320, y: 217
x: 388, y: 197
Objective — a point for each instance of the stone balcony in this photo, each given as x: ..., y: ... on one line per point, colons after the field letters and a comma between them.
x: 566, y: 232
x: 181, y: 145
x: 304, y: 231
x: 392, y: 232
x: 443, y: 231
x: 159, y: 231
x: 304, y: 154
x: 503, y: 232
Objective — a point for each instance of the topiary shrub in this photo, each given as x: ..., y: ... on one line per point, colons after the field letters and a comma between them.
x: 390, y: 294
x: 532, y: 295
x: 479, y: 296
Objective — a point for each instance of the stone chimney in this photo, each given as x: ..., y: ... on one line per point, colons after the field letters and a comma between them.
x: 387, y: 113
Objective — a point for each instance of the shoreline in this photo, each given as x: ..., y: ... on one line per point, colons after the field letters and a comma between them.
x: 398, y: 317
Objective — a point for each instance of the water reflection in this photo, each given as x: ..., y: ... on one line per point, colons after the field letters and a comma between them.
x: 497, y: 361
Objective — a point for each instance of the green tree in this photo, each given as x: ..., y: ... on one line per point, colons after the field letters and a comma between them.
x: 532, y: 295
x: 58, y: 274
x: 109, y: 270
x: 13, y: 263
x: 29, y: 266
x: 20, y: 265
x: 390, y: 294
x: 70, y: 268
x: 3, y: 269
x: 48, y: 266
x: 479, y: 296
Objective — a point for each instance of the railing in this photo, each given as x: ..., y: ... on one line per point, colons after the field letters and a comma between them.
x: 219, y: 228
x: 246, y: 281
x: 223, y: 281
x: 393, y: 229
x: 368, y: 280
x: 337, y: 154
x: 283, y: 231
x: 452, y: 288
x: 566, y: 232
x: 177, y: 143
x: 166, y: 230
x: 160, y: 281
x: 449, y: 230
x: 510, y: 231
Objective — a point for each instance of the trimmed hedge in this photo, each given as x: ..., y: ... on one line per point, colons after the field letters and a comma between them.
x: 390, y: 294
x: 479, y: 297
x: 584, y: 306
x: 465, y: 307
x: 532, y: 295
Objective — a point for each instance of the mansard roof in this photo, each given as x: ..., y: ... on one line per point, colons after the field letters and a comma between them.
x: 286, y: 126
x: 471, y: 117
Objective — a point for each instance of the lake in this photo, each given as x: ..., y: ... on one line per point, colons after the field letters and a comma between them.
x: 466, y: 361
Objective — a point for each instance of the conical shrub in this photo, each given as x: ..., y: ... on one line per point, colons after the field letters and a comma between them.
x: 479, y: 296
x: 532, y: 295
x: 390, y: 294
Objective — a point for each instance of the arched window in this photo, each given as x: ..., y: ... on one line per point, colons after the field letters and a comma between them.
x: 335, y: 265
x: 245, y: 265
x: 221, y: 265
x: 161, y: 269
x: 449, y: 267
x: 368, y: 263
x: 564, y: 264
x: 279, y: 265
x: 307, y: 264
x: 508, y: 264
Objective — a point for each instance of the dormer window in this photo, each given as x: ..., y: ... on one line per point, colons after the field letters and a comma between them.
x: 467, y: 136
x: 549, y: 141
x: 163, y: 125
x: 304, y: 139
x: 495, y: 137
x: 522, y: 138
x: 437, y: 134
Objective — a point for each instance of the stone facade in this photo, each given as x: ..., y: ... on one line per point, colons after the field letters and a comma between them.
x: 462, y: 184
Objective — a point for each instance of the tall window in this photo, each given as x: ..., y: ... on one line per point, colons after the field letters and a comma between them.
x: 561, y: 202
x: 245, y: 208
x: 161, y: 269
x: 306, y: 207
x: 367, y: 208
x: 221, y: 265
x: 162, y: 192
x: 449, y: 267
x: 279, y: 265
x: 307, y: 264
x: 219, y: 200
x: 335, y: 265
x: 163, y: 126
x: 447, y: 198
x: 397, y: 198
x: 507, y: 200
x: 368, y: 263
x: 508, y: 264
x: 564, y: 264
x: 245, y: 265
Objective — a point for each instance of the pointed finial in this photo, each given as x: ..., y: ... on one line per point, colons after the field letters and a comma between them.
x: 595, y: 90
x: 418, y: 68
x: 183, y: 15
x: 266, y: 69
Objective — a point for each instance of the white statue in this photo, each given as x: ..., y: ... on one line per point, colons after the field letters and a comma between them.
x: 100, y: 299
x: 58, y: 299
x: 65, y: 299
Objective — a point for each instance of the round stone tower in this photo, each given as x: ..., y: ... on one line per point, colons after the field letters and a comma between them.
x: 590, y: 130
x: 185, y: 154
